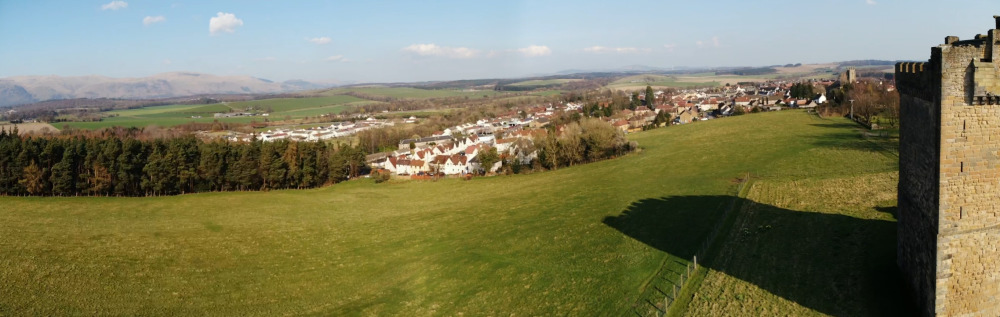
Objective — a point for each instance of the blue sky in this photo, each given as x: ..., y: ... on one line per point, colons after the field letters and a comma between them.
x: 382, y: 41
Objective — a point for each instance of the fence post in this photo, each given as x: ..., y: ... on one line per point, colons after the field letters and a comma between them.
x: 696, y: 262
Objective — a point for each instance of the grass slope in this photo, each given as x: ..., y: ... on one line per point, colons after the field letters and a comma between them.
x: 577, y: 241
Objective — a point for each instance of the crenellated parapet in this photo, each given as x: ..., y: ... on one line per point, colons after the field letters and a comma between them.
x: 915, y: 79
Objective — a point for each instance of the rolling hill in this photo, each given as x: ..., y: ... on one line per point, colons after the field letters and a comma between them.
x: 813, y: 234
x: 28, y: 89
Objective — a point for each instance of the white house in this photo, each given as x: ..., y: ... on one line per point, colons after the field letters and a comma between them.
x: 456, y: 165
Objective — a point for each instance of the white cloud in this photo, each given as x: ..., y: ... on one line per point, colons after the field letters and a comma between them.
x: 714, y: 43
x: 115, y: 5
x: 535, y: 50
x: 167, y: 62
x: 224, y: 22
x: 320, y: 40
x: 670, y: 47
x: 870, y: 2
x: 151, y: 19
x: 619, y: 50
x: 337, y: 58
x: 266, y: 59
x: 442, y: 51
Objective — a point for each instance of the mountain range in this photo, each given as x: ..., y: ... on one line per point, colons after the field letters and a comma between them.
x: 30, y: 89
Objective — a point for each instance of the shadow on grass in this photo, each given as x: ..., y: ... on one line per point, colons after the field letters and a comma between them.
x: 837, y: 125
x: 833, y: 264
x: 844, y: 140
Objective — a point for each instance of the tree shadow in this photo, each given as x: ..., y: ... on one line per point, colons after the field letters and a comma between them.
x: 834, y: 264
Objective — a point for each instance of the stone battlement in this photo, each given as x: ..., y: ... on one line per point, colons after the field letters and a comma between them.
x: 910, y: 67
x: 949, y: 166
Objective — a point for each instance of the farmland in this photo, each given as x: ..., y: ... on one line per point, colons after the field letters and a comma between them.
x: 410, y: 93
x: 171, y: 115
x: 637, y: 82
x: 583, y: 240
x: 33, y: 127
x: 310, y: 105
x: 543, y: 82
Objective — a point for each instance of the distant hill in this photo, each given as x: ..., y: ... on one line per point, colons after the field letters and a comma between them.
x: 29, y: 89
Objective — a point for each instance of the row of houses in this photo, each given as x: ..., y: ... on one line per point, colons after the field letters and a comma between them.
x: 450, y: 155
x: 336, y: 130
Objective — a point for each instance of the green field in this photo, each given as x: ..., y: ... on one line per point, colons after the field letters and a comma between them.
x: 410, y: 93
x: 172, y: 115
x: 641, y: 81
x: 543, y: 82
x: 585, y: 240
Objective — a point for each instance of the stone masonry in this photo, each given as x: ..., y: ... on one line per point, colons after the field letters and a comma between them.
x: 949, y: 177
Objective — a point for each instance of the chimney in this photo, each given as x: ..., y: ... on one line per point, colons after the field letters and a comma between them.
x: 997, y: 18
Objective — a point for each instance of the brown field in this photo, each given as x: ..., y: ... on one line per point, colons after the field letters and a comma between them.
x: 804, y: 68
x: 29, y: 128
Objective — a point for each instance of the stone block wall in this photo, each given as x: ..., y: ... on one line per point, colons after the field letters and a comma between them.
x: 949, y: 190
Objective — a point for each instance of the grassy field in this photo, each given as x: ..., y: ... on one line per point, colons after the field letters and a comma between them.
x: 584, y: 240
x: 543, y: 82
x: 409, y: 93
x: 641, y: 81
x: 166, y: 116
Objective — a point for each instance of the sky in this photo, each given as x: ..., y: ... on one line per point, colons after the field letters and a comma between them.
x: 405, y: 41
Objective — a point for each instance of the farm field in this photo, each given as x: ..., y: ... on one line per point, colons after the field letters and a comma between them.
x: 637, y: 82
x: 31, y: 127
x: 172, y: 115
x: 583, y: 240
x: 543, y: 82
x: 409, y: 93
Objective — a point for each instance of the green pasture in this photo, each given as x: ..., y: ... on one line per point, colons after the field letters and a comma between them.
x: 543, y: 82
x: 410, y: 93
x: 172, y: 115
x: 584, y: 240
x: 641, y: 81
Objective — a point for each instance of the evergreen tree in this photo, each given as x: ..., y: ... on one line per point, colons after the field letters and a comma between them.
x: 650, y: 98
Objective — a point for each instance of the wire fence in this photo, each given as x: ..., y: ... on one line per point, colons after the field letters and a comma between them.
x: 657, y: 299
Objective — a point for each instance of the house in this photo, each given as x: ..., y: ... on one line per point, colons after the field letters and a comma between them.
x: 476, y: 165
x: 456, y: 165
x: 472, y: 151
x: 417, y: 166
x: 687, y: 117
x: 742, y: 101
x: 621, y: 125
x: 822, y: 98
x: 402, y: 167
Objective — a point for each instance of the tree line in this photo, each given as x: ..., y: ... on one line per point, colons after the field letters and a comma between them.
x: 114, y: 165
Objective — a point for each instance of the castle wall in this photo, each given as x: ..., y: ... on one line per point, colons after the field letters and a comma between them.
x: 968, y: 261
x: 919, y: 150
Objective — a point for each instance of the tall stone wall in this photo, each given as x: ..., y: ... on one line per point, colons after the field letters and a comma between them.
x: 949, y: 190
x: 919, y: 145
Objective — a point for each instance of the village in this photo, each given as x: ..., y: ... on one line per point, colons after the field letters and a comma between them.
x: 457, y: 150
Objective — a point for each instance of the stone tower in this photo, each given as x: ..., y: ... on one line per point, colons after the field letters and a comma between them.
x: 849, y: 75
x: 949, y: 177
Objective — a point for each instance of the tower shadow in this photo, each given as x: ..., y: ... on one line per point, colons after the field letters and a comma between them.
x: 834, y: 264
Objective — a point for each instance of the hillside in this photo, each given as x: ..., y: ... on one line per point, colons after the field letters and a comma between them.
x: 27, y: 89
x: 584, y: 240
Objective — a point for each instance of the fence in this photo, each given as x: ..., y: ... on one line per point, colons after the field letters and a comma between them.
x: 645, y: 305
